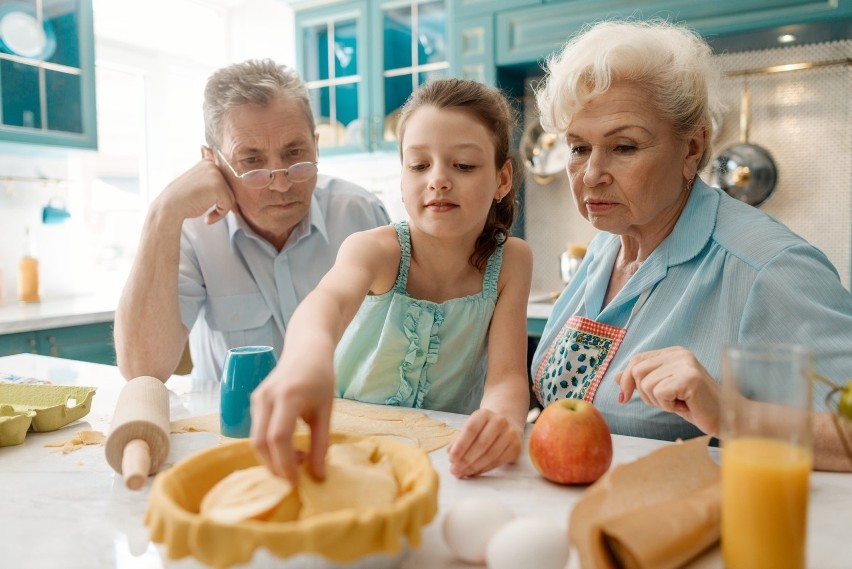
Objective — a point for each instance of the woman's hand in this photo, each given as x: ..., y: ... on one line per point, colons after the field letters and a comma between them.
x: 276, y: 405
x: 488, y: 440
x: 673, y: 380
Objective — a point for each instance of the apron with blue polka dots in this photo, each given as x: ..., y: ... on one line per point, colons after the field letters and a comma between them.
x: 576, y: 361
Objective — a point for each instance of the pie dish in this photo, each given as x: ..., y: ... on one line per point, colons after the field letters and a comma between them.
x: 377, y: 536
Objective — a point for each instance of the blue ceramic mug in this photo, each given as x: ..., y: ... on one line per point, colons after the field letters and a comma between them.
x: 244, y: 369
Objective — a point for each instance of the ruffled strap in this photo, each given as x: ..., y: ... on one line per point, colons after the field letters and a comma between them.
x: 403, y: 235
x: 492, y: 270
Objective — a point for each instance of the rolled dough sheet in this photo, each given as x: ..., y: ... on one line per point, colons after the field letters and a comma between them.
x: 354, y: 417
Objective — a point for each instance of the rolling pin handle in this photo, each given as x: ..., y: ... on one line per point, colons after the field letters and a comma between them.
x: 136, y: 463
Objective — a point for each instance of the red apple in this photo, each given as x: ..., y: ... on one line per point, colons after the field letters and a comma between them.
x: 570, y: 443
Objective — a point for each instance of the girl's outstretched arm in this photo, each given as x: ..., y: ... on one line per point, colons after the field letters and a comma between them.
x: 302, y: 384
x: 495, y: 432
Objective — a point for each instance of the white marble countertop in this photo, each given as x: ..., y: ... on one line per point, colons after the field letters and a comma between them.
x: 57, y: 313
x: 72, y: 511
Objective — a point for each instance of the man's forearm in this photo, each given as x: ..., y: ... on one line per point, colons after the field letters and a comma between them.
x: 149, y: 334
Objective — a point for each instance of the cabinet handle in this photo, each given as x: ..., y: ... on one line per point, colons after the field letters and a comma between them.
x: 33, y: 345
x: 54, y: 352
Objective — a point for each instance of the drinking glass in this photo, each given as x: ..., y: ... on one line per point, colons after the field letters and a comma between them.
x: 244, y: 369
x: 766, y: 455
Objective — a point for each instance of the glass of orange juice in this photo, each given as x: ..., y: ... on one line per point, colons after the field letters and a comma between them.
x: 766, y: 455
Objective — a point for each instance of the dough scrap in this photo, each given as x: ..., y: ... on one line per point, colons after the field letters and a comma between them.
x: 79, y: 440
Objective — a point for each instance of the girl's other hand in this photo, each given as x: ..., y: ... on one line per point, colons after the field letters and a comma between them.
x: 488, y: 440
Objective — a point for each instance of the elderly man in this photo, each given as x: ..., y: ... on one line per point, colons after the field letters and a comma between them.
x: 231, y: 246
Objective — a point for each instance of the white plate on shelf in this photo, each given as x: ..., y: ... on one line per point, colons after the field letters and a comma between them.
x: 21, y: 33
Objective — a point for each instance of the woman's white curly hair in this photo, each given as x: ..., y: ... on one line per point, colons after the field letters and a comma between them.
x: 674, y: 64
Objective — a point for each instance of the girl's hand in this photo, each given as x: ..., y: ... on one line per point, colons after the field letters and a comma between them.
x: 276, y: 405
x: 488, y: 440
x: 675, y: 381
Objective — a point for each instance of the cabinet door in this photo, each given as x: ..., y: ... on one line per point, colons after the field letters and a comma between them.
x: 413, y: 49
x: 88, y: 343
x: 47, y: 87
x: 332, y: 54
x: 528, y: 35
x: 22, y: 343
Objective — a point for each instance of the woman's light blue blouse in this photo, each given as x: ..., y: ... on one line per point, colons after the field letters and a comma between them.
x: 727, y: 274
x: 399, y: 350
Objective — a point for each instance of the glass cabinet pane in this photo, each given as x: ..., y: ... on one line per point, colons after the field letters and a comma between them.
x: 20, y: 92
x: 62, y: 89
x: 415, y: 50
x: 345, y: 48
x: 315, y: 58
x: 336, y: 113
x: 431, y: 32
x: 397, y: 24
x: 330, y: 64
x: 61, y: 21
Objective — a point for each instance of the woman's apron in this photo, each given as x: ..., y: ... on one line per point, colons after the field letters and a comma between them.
x: 577, y: 359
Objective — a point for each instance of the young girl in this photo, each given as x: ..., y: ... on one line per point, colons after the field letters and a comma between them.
x: 427, y: 299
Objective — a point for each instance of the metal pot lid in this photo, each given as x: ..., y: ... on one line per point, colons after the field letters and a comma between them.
x: 745, y: 172
x: 545, y: 154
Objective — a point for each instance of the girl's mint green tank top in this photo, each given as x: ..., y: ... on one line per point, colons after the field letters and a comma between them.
x: 402, y: 351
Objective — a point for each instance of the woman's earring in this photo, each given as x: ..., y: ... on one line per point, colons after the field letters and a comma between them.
x: 499, y: 198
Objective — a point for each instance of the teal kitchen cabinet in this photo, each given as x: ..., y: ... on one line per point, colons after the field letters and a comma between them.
x: 47, y: 73
x: 87, y: 342
x: 528, y: 35
x: 361, y: 60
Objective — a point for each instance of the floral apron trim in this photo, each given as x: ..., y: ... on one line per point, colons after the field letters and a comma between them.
x: 577, y: 360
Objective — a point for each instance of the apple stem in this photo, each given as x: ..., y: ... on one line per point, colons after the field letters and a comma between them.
x: 824, y: 380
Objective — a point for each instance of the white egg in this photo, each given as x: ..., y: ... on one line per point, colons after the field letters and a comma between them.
x: 469, y: 525
x: 529, y: 542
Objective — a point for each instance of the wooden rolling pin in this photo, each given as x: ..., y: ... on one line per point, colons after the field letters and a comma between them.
x: 138, y: 442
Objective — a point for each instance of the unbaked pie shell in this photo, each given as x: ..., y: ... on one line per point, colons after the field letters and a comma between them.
x: 342, y: 536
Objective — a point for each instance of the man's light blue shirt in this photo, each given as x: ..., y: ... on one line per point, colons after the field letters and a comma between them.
x: 727, y: 274
x: 236, y: 289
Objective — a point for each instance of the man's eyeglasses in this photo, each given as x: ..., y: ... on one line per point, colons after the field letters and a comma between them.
x: 259, y: 179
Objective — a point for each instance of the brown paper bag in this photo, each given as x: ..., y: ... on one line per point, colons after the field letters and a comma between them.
x: 657, y: 512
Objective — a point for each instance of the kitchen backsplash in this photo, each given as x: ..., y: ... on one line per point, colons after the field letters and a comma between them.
x: 802, y: 117
x: 76, y: 257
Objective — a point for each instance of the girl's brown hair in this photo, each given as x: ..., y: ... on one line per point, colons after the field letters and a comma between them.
x: 489, y: 107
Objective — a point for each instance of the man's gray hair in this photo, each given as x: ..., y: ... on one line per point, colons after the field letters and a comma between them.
x: 252, y: 82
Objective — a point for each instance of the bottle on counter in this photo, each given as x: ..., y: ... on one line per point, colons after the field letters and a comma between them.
x: 570, y: 259
x: 28, y: 273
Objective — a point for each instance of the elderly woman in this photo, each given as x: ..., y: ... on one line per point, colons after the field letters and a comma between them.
x: 679, y: 268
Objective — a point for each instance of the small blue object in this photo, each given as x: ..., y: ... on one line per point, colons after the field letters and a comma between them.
x: 51, y: 215
x: 244, y: 369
